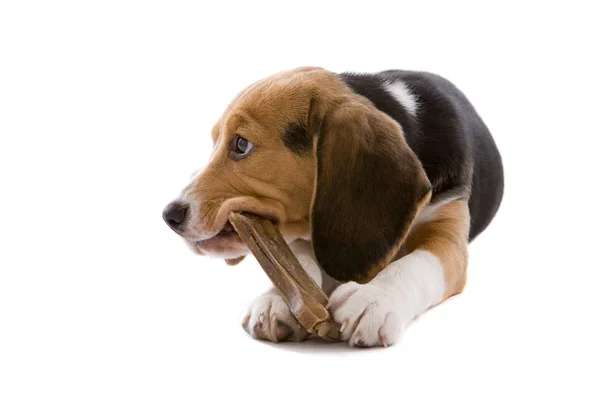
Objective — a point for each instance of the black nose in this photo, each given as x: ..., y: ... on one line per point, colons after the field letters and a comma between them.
x: 174, y: 215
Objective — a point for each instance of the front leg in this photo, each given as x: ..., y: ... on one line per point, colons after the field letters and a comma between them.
x: 269, y: 317
x: 376, y: 313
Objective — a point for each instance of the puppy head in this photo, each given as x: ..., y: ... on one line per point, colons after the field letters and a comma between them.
x: 261, y: 163
x: 303, y: 150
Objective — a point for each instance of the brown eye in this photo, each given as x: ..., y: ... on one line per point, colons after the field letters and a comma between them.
x: 241, y: 147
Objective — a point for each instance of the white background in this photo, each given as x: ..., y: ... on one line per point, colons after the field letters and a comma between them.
x: 105, y: 112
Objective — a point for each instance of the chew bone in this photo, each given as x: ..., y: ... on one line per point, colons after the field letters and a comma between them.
x: 304, y: 297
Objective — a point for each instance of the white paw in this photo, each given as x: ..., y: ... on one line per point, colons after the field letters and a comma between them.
x: 368, y: 314
x: 269, y: 318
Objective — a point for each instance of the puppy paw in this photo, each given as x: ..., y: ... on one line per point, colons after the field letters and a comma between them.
x: 269, y: 318
x: 368, y: 314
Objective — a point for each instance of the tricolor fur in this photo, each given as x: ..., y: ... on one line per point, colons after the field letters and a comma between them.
x: 378, y: 182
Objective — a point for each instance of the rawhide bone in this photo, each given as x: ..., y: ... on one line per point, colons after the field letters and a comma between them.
x: 304, y: 297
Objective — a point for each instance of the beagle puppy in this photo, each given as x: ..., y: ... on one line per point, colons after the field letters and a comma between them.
x: 377, y: 181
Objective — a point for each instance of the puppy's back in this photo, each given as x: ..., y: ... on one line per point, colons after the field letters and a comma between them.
x: 445, y: 131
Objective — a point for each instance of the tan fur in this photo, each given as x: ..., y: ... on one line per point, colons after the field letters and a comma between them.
x: 274, y: 181
x: 447, y: 238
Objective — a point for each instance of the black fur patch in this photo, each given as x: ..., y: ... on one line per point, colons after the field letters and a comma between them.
x: 297, y: 138
x: 448, y: 136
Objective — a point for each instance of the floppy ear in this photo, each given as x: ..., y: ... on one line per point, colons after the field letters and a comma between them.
x: 369, y: 187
